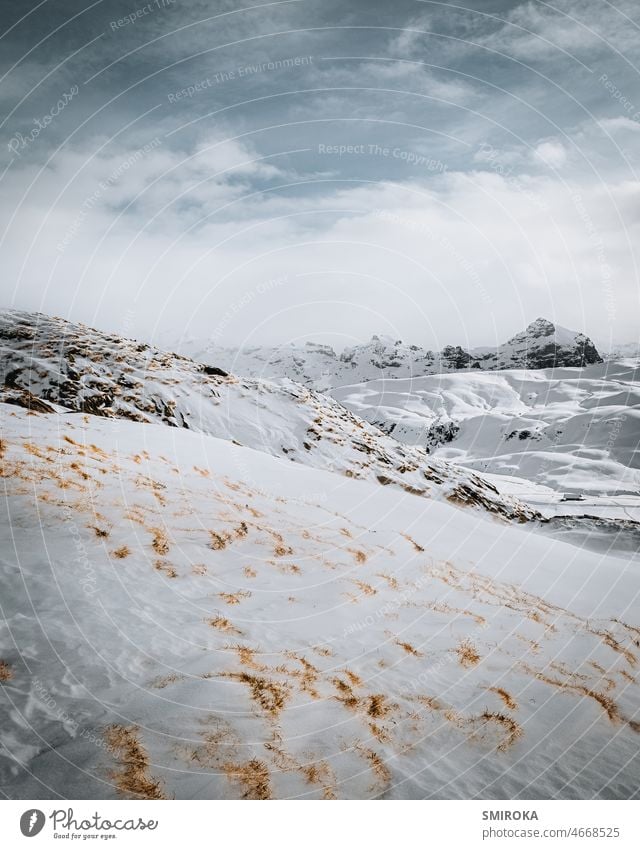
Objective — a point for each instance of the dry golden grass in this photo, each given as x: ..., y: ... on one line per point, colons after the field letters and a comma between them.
x: 122, y: 552
x: 391, y: 581
x: 222, y: 624
x: 377, y: 706
x: 99, y: 532
x: 345, y: 693
x: 609, y: 640
x: 6, y: 672
x: 358, y: 555
x: 165, y: 680
x: 160, y: 542
x: 509, y: 726
x: 219, y: 540
x: 132, y: 779
x: 253, y: 776
x: 249, y: 572
x: 166, y: 569
x: 271, y: 696
x: 234, y: 598
x: 509, y: 701
x: 323, y: 651
x: 431, y: 702
x: 377, y: 764
x: 246, y: 656
x: 355, y: 680
x: 467, y: 654
x: 415, y: 545
x: 365, y: 588
x: 409, y: 648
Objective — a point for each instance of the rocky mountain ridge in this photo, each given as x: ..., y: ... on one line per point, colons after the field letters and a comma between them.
x: 542, y: 345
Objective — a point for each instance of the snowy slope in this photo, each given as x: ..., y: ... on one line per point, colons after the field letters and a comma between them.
x: 542, y: 345
x: 78, y: 368
x: 570, y: 429
x: 189, y: 618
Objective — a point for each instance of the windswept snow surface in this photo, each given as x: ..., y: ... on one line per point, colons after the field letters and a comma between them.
x: 568, y: 429
x: 189, y: 618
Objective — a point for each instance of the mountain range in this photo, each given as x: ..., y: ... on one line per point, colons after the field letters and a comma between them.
x: 542, y: 345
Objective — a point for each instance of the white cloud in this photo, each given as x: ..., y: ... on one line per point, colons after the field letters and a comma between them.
x: 551, y: 153
x: 430, y: 262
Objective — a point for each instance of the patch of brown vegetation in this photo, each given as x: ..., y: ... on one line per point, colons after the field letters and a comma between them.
x: 222, y: 624
x: 609, y: 640
x: 509, y: 701
x: 378, y: 766
x: 6, y: 672
x: 358, y: 555
x: 249, y: 572
x: 323, y: 651
x: 253, y: 776
x: 246, y: 656
x: 166, y: 569
x: 431, y: 702
x: 409, y: 648
x: 510, y: 727
x: 467, y: 654
x: 355, y: 680
x: 365, y: 588
x: 376, y: 706
x: 219, y: 540
x: 164, y: 680
x: 270, y: 695
x: 160, y: 543
x: 307, y: 676
x: 607, y: 704
x: 320, y: 773
x: 122, y: 552
x: 99, y: 532
x: 393, y: 583
x: 234, y: 598
x: 345, y: 693
x: 416, y: 546
x: 132, y: 779
x: 199, y: 569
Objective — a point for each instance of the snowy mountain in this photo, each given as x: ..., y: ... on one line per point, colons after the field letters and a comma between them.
x: 570, y: 429
x: 187, y: 614
x: 542, y: 345
x: 70, y: 366
x: 188, y: 618
x: 628, y: 350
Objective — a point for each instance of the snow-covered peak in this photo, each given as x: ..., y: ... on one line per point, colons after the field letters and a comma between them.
x: 542, y: 345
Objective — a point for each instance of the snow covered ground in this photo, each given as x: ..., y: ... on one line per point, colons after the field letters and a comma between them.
x: 571, y: 430
x: 189, y: 618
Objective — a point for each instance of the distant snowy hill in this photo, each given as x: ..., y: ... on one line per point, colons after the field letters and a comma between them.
x: 187, y: 618
x: 57, y: 363
x: 629, y: 350
x: 542, y: 345
x: 571, y: 429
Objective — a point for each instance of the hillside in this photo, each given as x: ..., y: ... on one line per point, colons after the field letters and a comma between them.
x: 187, y: 618
x: 73, y: 367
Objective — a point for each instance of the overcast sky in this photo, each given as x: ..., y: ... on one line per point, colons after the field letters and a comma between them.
x: 302, y: 170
